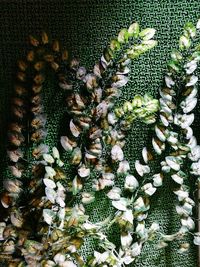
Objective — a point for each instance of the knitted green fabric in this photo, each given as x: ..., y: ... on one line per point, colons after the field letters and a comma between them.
x: 84, y: 27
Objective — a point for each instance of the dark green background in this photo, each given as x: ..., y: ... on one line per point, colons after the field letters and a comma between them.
x: 84, y: 27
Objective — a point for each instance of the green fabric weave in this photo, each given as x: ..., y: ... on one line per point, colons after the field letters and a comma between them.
x: 84, y: 27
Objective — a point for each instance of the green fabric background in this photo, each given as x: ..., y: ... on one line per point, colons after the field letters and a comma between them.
x: 84, y: 27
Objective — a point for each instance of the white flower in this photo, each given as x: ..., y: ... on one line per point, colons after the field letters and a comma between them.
x: 149, y: 189
x: 191, y: 66
x: 169, y: 82
x: 188, y: 104
x: 147, y: 34
x: 112, y: 119
x: 182, y: 195
x: 126, y: 240
x: 136, y: 249
x: 49, y: 183
x: 183, y: 120
x: 51, y: 194
x: 124, y: 167
x: 197, y: 236
x: 177, y: 178
x: 198, y: 24
x: 154, y: 227
x: 157, y: 179
x: 141, y: 230
x: 173, y: 162
x: 131, y: 183
x: 128, y: 216
x: 141, y: 169
x: 87, y: 197
x: 196, y: 168
x: 48, y: 215
x: 193, y: 80
x: 114, y: 193
x: 158, y: 146
x: 192, y: 142
x: 120, y: 81
x: 139, y: 204
x: 189, y: 132
x: 50, y: 172
x: 59, y: 258
x: 74, y: 129
x: 184, y: 42
x: 160, y: 134
x: 83, y: 171
x: 68, y: 264
x: 188, y: 222
x: 120, y: 204
x: 101, y: 257
x: 56, y: 153
x: 117, y: 153
x: 194, y: 155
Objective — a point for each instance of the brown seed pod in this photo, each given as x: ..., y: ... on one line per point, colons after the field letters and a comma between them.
x: 49, y: 58
x: 19, y: 112
x: 37, y: 88
x: 45, y: 38
x: 38, y: 135
x: 12, y: 186
x: 54, y: 66
x: 40, y: 150
x: 37, y: 99
x: 15, y: 127
x: 38, y: 122
x: 20, y: 91
x: 39, y: 79
x: 6, y: 199
x: 39, y: 65
x: 15, y: 155
x: 65, y: 55
x: 18, y: 101
x: 15, y: 138
x: 33, y: 41
x: 21, y: 76
x: 56, y: 46
x: 22, y: 65
x: 30, y: 56
x: 16, y: 170
x: 37, y: 109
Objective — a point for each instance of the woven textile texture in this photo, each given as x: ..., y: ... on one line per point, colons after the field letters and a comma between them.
x: 84, y: 27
